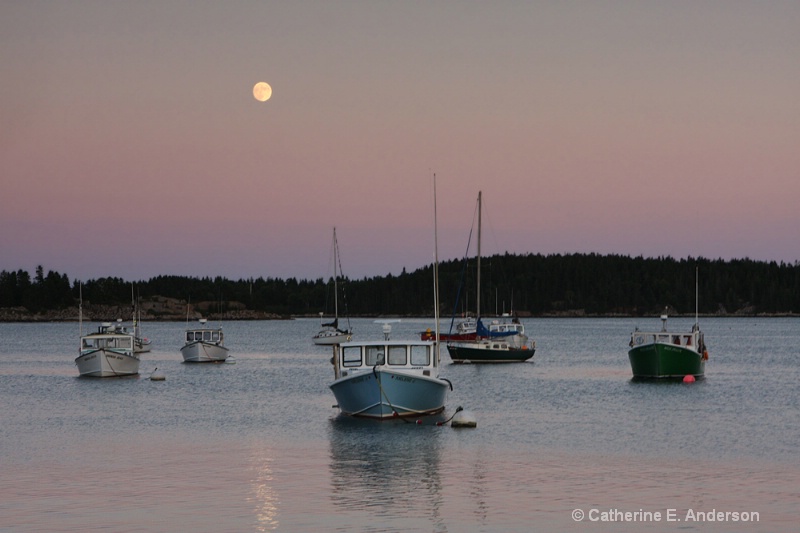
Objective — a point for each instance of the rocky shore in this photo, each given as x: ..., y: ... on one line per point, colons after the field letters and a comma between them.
x: 155, y: 309
x: 169, y: 310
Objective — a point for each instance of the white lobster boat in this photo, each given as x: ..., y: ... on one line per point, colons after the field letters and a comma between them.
x: 204, y: 345
x: 108, y: 352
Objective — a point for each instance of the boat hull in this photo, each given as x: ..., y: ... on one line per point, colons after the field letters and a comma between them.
x: 142, y: 345
x: 106, y: 364
x: 665, y: 361
x: 447, y: 337
x: 384, y: 394
x: 201, y: 352
x: 484, y: 353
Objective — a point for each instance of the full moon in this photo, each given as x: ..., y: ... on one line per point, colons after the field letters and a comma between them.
x: 262, y: 91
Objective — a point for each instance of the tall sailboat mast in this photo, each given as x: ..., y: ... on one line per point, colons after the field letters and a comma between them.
x: 335, y: 277
x: 436, y: 272
x: 478, y: 304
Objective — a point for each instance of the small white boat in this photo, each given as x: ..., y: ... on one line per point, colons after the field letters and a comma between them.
x: 204, y: 344
x: 330, y: 334
x: 109, y: 352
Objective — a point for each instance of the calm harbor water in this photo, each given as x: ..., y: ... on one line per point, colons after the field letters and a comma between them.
x: 257, y: 446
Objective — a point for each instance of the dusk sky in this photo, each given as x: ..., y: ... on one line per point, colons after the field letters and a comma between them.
x: 132, y: 146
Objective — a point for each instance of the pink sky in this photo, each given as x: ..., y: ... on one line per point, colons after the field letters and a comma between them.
x: 131, y: 144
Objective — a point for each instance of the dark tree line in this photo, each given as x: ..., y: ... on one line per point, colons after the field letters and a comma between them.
x: 526, y: 284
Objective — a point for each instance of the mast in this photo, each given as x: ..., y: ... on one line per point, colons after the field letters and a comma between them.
x: 435, y: 272
x: 133, y: 310
x: 335, y: 277
x: 80, y: 317
x: 478, y: 304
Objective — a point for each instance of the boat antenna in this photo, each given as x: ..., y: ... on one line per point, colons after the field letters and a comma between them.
x: 478, y: 302
x: 696, y: 297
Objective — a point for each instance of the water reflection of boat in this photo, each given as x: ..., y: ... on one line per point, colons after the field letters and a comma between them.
x: 388, y: 471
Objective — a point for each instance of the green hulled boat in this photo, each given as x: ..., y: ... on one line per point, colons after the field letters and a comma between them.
x: 667, y: 355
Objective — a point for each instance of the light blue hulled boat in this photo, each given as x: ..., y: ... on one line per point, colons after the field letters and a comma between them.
x: 388, y: 379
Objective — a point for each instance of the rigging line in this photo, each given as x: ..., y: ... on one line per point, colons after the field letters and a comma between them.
x: 383, y: 393
x: 503, y: 276
x: 338, y: 258
x: 463, y: 268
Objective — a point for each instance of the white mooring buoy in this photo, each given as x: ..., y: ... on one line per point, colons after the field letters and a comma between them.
x: 464, y: 419
x: 157, y: 375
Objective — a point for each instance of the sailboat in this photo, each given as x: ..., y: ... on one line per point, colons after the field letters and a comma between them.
x: 330, y: 333
x: 140, y: 344
x: 391, y: 379
x: 669, y: 355
x: 502, y: 341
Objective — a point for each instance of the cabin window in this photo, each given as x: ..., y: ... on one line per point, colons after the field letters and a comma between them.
x: 215, y: 336
x: 189, y: 336
x: 351, y: 356
x: 397, y: 355
x: 198, y: 335
x: 420, y: 356
x: 375, y: 355
x: 207, y: 336
x: 124, y: 343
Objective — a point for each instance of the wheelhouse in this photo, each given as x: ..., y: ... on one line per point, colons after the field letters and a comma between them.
x: 350, y: 358
x: 209, y: 336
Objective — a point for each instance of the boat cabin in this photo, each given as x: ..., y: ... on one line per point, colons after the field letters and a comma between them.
x: 209, y: 336
x: 511, y: 328
x: 688, y: 340
x: 108, y: 336
x: 363, y: 357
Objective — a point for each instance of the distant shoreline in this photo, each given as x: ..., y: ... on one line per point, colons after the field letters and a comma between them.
x: 114, y: 313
